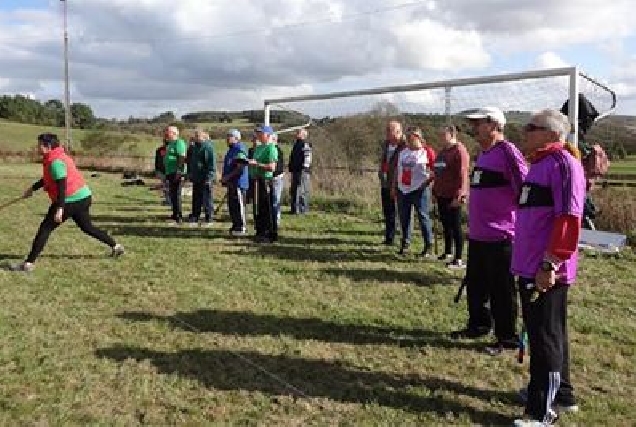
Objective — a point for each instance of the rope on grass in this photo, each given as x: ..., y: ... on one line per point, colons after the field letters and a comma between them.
x: 253, y: 364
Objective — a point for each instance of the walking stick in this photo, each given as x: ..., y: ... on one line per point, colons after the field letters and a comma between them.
x: 11, y: 202
x: 435, y: 214
x: 221, y: 203
x: 460, y: 291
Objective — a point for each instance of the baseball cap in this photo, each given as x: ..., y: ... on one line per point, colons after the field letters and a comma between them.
x: 235, y: 133
x: 492, y: 113
x: 264, y: 129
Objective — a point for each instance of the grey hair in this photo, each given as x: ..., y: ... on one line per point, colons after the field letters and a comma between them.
x: 554, y: 121
x: 303, y: 133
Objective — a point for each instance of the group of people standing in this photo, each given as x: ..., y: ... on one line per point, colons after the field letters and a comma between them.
x: 411, y: 174
x: 255, y: 175
x: 525, y: 204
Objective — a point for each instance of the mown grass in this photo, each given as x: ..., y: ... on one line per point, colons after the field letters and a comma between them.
x: 323, y: 328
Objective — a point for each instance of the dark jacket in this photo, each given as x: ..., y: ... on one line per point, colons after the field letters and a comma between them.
x: 202, y: 162
x: 280, y: 164
x: 159, y: 155
x: 300, y: 157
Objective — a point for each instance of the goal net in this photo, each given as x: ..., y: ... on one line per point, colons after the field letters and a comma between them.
x: 347, y: 128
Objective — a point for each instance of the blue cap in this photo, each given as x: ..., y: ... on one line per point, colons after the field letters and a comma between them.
x: 235, y: 133
x: 264, y: 129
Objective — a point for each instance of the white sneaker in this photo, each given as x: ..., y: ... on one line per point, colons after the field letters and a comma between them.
x: 456, y: 264
x: 566, y: 409
x: 193, y: 224
x: 206, y: 224
x: 117, y: 250
x: 238, y: 233
x: 549, y: 420
x: 24, y: 266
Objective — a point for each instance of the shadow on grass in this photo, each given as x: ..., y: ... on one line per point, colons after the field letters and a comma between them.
x: 300, y: 378
x: 317, y: 253
x: 255, y: 324
x: 423, y: 277
x: 169, y: 231
x: 129, y: 219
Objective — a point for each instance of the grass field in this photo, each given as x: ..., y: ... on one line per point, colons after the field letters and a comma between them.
x: 624, y: 167
x: 323, y: 328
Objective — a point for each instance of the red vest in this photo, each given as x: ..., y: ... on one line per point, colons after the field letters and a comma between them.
x: 74, y: 179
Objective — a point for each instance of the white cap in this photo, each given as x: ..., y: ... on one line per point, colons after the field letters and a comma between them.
x: 493, y: 113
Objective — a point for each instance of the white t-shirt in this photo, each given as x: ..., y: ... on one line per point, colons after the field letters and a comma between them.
x: 411, y: 169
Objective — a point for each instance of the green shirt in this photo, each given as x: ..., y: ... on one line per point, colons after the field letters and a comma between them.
x: 174, y: 150
x: 58, y: 171
x: 265, y: 154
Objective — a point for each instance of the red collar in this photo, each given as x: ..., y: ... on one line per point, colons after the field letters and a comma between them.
x: 545, y: 151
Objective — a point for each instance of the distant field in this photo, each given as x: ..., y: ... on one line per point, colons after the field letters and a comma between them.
x: 21, y: 137
x: 624, y: 167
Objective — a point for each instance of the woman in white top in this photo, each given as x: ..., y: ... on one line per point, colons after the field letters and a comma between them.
x: 412, y: 181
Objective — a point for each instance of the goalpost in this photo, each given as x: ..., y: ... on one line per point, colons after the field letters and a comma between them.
x: 517, y: 94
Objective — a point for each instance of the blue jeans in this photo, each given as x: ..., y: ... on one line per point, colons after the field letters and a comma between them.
x: 420, y: 199
x: 201, y: 199
x: 278, y: 183
x: 299, y: 192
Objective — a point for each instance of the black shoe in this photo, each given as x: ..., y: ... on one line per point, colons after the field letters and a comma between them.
x: 499, y: 347
x: 469, y: 333
x: 445, y: 257
x: 387, y: 242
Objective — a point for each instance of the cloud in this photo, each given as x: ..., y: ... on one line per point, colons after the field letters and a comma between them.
x: 150, y: 56
x: 550, y: 60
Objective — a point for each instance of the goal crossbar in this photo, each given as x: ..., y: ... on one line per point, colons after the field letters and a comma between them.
x: 572, y: 72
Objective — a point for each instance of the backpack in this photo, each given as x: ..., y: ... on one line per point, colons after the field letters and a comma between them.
x: 596, y: 163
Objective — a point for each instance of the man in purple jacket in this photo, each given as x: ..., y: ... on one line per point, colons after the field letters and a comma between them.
x: 495, y: 185
x: 545, y: 259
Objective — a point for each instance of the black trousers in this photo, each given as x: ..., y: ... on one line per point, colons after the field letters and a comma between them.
x: 451, y: 219
x: 264, y: 199
x: 236, y: 207
x: 489, y: 281
x: 174, y: 191
x: 79, y: 213
x: 389, y: 211
x: 546, y: 323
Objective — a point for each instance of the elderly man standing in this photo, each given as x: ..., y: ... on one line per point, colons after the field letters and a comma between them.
x: 235, y: 178
x: 202, y: 173
x: 545, y: 259
x: 263, y: 165
x: 300, y: 169
x: 495, y: 187
x: 175, y: 167
x: 391, y: 148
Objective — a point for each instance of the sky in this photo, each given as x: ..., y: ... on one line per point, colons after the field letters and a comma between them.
x: 144, y: 57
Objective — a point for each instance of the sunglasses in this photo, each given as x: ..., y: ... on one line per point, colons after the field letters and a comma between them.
x: 531, y: 127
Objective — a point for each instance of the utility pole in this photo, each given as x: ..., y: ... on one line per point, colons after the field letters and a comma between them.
x: 67, y: 93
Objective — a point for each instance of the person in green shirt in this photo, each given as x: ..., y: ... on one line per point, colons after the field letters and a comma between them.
x: 175, y: 168
x: 202, y: 174
x: 263, y: 165
x: 70, y: 198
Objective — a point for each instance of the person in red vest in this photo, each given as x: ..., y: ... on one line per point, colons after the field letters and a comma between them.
x: 70, y: 198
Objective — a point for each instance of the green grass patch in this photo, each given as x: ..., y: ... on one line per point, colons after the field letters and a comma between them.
x: 624, y: 167
x: 325, y: 327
